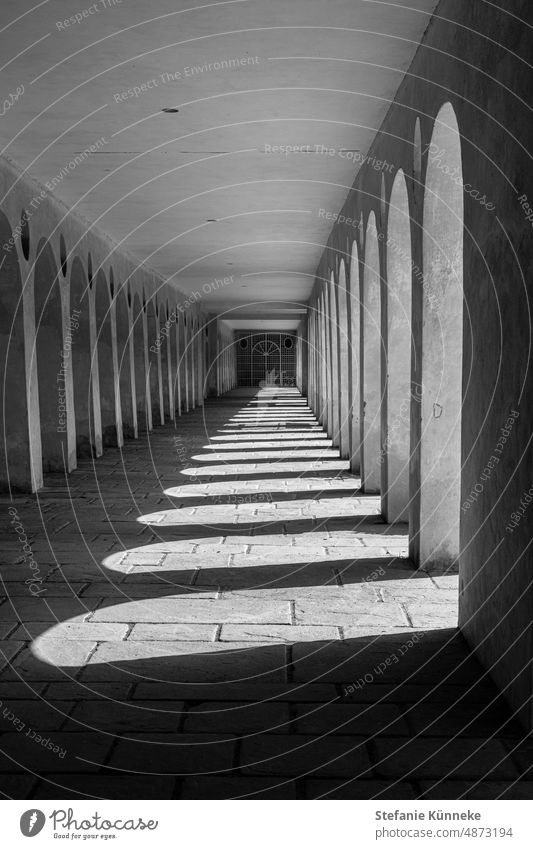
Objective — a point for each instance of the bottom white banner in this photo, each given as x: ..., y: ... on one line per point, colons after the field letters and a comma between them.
x: 278, y: 824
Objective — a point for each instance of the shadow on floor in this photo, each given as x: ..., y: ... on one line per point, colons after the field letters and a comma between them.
x: 408, y: 714
x: 179, y: 669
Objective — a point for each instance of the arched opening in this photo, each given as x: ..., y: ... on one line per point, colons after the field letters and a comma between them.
x: 354, y: 359
x: 154, y: 363
x: 81, y: 360
x: 198, y: 360
x: 15, y: 464
x: 343, y: 371
x: 317, y: 361
x: 178, y: 365
x: 417, y: 153
x: 442, y: 345
x: 383, y: 200
x: 106, y: 376
x: 201, y: 361
x: 192, y: 360
x: 396, y: 442
x: 52, y: 366
x: 126, y: 380
x: 311, y: 364
x: 63, y: 255
x: 200, y: 347
x: 332, y: 330
x: 371, y: 395
x: 184, y: 360
x: 165, y: 365
x: 173, y: 357
x: 323, y: 366
x: 209, y: 371
x: 24, y: 234
x: 139, y: 358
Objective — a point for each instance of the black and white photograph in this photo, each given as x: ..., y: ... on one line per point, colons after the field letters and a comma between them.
x: 266, y: 455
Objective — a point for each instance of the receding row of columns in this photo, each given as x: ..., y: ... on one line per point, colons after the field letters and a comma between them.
x: 88, y: 361
x: 365, y: 357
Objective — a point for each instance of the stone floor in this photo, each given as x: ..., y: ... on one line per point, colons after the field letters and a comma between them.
x: 216, y: 611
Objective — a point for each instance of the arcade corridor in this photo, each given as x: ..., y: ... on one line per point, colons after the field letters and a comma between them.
x: 265, y: 446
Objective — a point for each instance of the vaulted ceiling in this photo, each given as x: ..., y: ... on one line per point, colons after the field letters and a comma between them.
x: 207, y: 189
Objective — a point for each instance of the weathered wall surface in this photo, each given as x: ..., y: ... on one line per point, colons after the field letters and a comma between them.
x: 474, y: 57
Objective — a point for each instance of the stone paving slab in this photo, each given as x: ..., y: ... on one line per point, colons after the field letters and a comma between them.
x: 52, y: 660
x: 195, y: 610
x: 364, y: 664
x: 428, y: 614
x: 175, y: 754
x: 17, y: 590
x: 150, y: 717
x: 69, y: 752
x: 317, y: 718
x: 279, y: 442
x: 230, y: 787
x: 265, y: 544
x: 462, y: 718
x: 346, y: 789
x: 65, y: 785
x: 280, y: 575
x: 176, y: 632
x: 17, y: 786
x: 85, y: 631
x: 43, y: 609
x: 148, y: 589
x: 253, y: 691
x: 304, y: 756
x: 9, y: 649
x: 185, y: 661
x: 295, y: 467
x: 116, y: 691
x: 277, y: 633
x: 272, y: 453
x: 408, y: 691
x: 478, y: 789
x: 242, y: 718
x: 17, y: 572
x: 327, y: 594
x: 437, y: 758
x: 34, y: 713
x: 347, y: 611
x: 27, y: 690
x: 262, y: 555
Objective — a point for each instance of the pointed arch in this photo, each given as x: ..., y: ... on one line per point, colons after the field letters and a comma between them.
x: 442, y: 345
x: 371, y: 394
x: 343, y: 371
x: 105, y: 352
x: 354, y: 328
x: 51, y: 367
x: 15, y: 448
x: 81, y: 360
x: 396, y: 436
